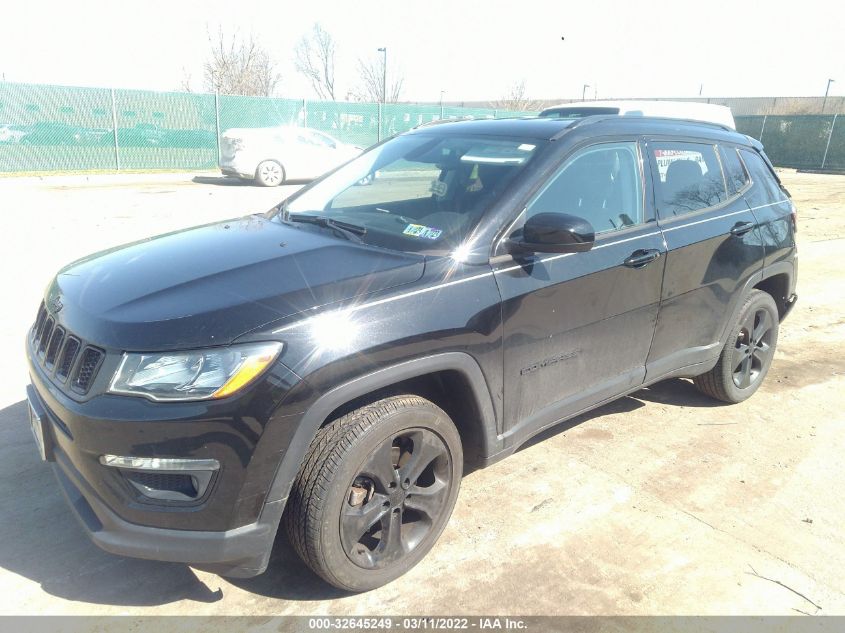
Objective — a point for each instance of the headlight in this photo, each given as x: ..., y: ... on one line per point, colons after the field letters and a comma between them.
x: 195, y: 374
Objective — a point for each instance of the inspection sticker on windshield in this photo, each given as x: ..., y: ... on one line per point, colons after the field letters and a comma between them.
x: 426, y: 232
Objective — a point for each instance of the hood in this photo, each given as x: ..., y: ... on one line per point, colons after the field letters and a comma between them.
x: 208, y: 285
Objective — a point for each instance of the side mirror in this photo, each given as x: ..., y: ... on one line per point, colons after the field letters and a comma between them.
x: 554, y: 233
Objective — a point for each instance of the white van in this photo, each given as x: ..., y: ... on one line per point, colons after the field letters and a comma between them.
x: 691, y: 110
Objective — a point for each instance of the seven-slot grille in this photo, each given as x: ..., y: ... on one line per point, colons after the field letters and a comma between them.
x: 63, y: 355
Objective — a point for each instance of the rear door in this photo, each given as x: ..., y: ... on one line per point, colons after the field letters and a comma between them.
x: 714, y: 247
x: 578, y: 326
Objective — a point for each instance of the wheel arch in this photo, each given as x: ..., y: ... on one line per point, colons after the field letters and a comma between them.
x: 438, y: 378
x: 778, y: 284
x: 772, y: 279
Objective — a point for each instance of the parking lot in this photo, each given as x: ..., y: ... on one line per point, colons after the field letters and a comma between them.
x: 663, y: 502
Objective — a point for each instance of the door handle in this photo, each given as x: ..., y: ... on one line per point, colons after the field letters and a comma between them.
x: 741, y: 228
x: 641, y: 257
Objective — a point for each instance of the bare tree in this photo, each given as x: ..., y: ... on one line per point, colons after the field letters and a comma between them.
x: 314, y: 56
x: 186, y: 83
x: 372, y: 86
x: 240, y: 66
x: 515, y: 99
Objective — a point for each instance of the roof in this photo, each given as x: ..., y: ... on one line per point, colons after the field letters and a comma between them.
x: 637, y: 104
x: 550, y: 129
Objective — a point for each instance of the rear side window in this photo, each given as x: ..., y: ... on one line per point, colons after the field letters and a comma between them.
x: 735, y: 175
x: 688, y: 177
x: 762, y: 176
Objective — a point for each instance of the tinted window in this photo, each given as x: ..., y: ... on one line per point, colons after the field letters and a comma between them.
x: 600, y: 183
x: 735, y: 175
x: 762, y: 176
x: 689, y: 177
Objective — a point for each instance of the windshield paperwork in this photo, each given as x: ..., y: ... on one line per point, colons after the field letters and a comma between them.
x: 421, y: 193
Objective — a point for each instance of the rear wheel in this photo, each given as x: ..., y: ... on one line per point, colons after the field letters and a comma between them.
x: 748, y: 354
x: 269, y: 173
x: 375, y: 491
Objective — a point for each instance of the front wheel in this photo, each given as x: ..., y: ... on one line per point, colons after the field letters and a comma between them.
x: 269, y: 174
x: 375, y: 491
x: 748, y: 354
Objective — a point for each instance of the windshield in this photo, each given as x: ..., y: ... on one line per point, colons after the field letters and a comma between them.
x: 422, y: 192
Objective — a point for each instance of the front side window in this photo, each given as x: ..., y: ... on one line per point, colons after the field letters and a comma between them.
x: 601, y: 184
x: 421, y: 192
x: 689, y: 177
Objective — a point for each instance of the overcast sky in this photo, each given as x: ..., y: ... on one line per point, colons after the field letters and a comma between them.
x: 472, y: 50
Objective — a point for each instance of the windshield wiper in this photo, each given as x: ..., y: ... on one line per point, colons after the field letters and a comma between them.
x: 352, y: 232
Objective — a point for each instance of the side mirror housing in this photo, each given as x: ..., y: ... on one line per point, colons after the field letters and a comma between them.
x: 554, y: 233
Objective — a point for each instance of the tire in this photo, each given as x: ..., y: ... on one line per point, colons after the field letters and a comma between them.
x: 747, y: 356
x: 394, y: 465
x: 269, y: 173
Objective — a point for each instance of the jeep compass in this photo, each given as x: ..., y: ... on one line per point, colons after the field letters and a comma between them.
x: 332, y: 365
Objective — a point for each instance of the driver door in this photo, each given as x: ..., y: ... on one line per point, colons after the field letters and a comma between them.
x: 578, y: 326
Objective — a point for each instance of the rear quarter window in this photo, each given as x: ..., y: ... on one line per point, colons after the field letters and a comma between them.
x: 765, y: 188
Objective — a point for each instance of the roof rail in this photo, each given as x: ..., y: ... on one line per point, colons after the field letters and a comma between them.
x: 599, y: 118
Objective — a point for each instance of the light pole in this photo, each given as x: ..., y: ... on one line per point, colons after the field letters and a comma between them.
x: 584, y: 92
x: 826, y: 90
x: 383, y: 51
x: 442, y: 92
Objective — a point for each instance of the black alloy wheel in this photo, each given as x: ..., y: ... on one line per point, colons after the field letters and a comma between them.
x: 753, y: 348
x: 375, y: 491
x: 396, y: 498
x: 746, y: 357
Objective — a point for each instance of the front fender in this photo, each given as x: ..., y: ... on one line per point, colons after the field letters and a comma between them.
x: 317, y: 413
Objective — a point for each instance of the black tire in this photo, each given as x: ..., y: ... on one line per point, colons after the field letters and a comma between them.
x: 341, y: 487
x: 269, y: 173
x: 747, y: 356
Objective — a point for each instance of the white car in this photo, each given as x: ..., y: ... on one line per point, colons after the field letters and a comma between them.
x: 273, y: 155
x: 691, y: 110
x: 10, y: 133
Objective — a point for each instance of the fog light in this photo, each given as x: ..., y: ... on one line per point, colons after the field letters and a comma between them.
x: 158, y: 463
x: 165, y: 479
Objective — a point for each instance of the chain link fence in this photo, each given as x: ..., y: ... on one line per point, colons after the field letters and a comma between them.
x: 47, y: 128
x: 59, y: 128
x: 802, y: 141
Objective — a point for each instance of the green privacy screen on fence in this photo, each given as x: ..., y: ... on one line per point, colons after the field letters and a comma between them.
x: 58, y: 128
x: 799, y: 141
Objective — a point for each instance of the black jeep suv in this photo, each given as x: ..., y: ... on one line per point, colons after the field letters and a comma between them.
x: 333, y: 364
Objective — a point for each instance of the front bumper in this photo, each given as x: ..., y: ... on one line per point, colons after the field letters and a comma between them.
x: 230, y: 530
x: 242, y: 552
x: 239, y: 167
